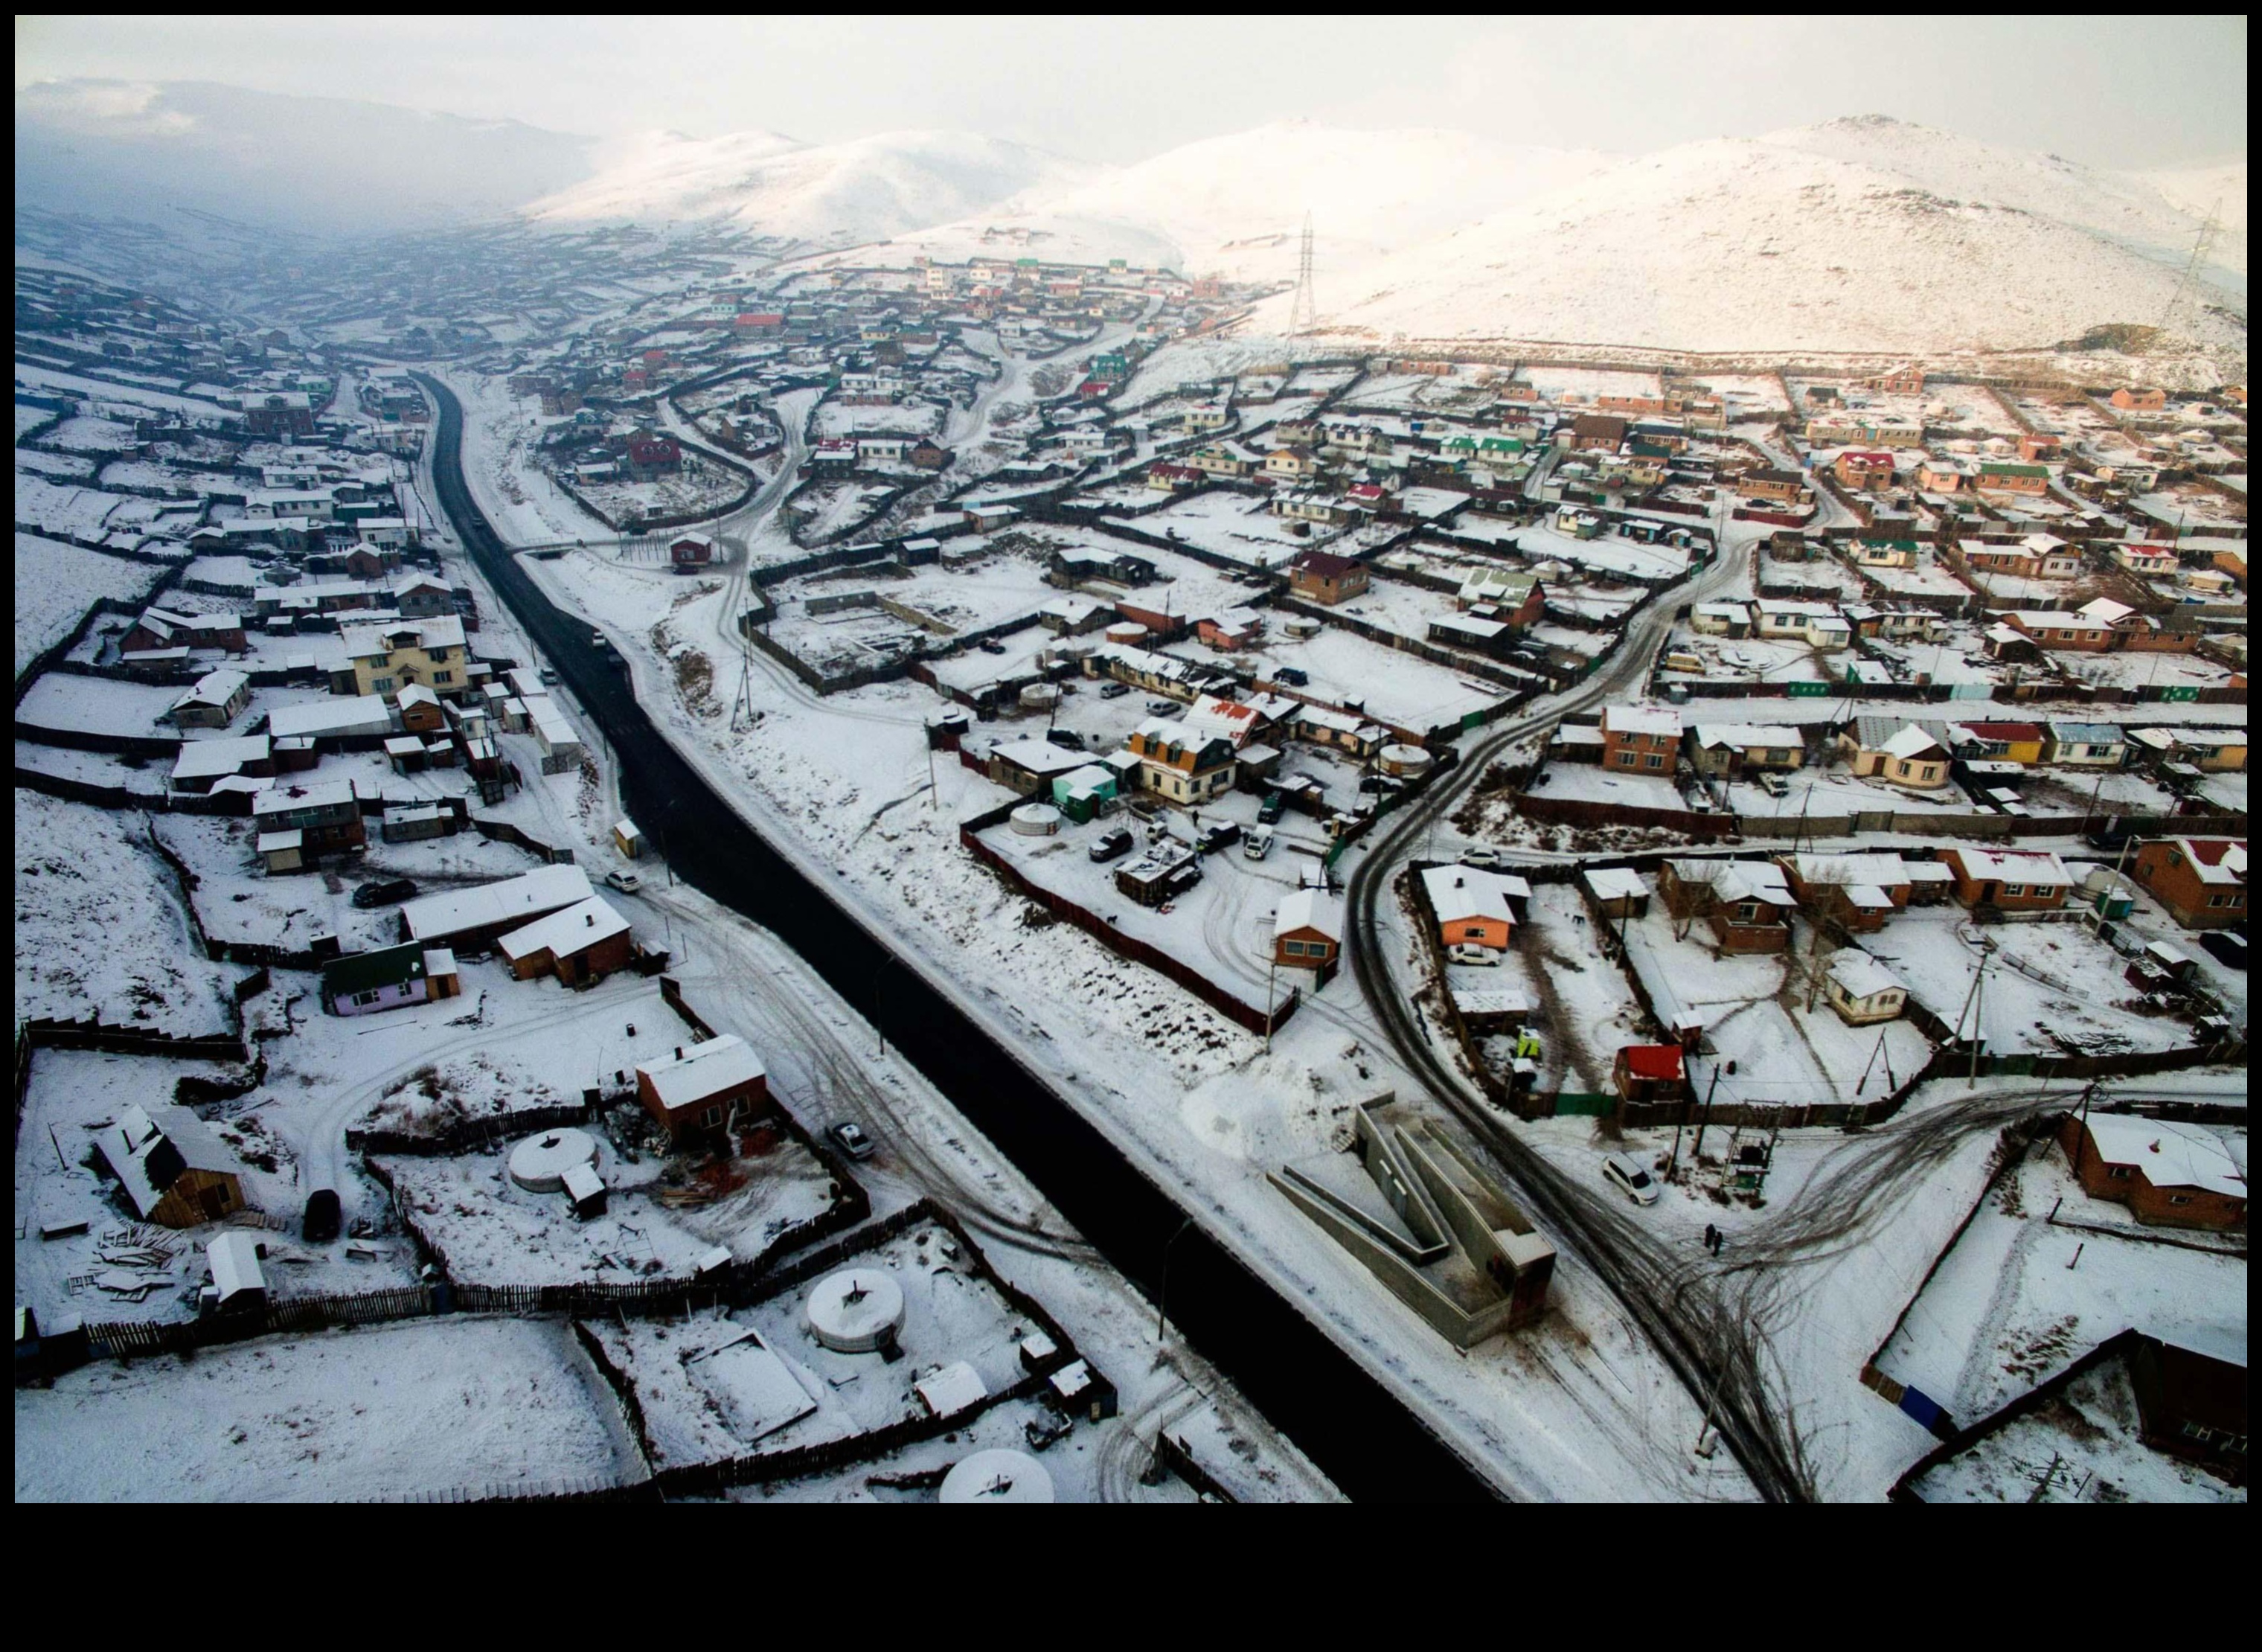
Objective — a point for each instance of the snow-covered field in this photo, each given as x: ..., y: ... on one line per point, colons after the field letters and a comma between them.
x: 100, y: 926
x: 56, y: 583
x: 388, y: 1411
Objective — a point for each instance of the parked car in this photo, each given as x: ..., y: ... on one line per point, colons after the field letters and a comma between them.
x: 1486, y: 860
x: 851, y: 1139
x: 1114, y: 690
x: 627, y: 882
x: 1295, y: 676
x: 1630, y: 1178
x: 1163, y: 708
x: 2225, y: 947
x: 387, y: 892
x: 989, y: 647
x: 548, y: 675
x: 1275, y: 804
x: 1116, y: 843
x: 1223, y: 835
x: 1773, y: 784
x: 1257, y: 844
x: 322, y: 1221
x: 1469, y: 952
x: 1067, y: 739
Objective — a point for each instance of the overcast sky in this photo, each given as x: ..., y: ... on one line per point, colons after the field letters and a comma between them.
x: 2115, y: 91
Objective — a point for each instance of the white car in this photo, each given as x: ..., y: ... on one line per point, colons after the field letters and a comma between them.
x: 627, y: 882
x: 1257, y: 844
x: 1630, y: 1178
x: 1469, y: 952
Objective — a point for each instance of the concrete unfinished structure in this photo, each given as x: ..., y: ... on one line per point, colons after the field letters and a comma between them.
x: 1461, y: 1254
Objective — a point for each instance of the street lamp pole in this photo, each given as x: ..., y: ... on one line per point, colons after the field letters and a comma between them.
x: 1163, y: 1296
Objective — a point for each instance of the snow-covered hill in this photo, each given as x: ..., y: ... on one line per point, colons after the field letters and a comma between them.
x: 2199, y: 190
x: 2123, y: 207
x: 863, y: 190
x: 115, y: 149
x: 1730, y: 244
x: 1235, y: 204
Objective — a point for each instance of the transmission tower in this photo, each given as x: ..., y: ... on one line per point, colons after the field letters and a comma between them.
x: 2200, y: 247
x: 1304, y: 313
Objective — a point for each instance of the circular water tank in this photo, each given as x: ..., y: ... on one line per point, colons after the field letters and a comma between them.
x: 1403, y: 759
x: 1038, y: 696
x: 855, y: 1310
x: 1036, y: 820
x: 539, y: 1163
x: 1301, y: 625
x: 996, y: 1476
x: 1125, y: 631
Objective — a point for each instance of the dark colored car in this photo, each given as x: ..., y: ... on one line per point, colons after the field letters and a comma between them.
x: 1116, y: 843
x: 390, y: 892
x: 1223, y: 835
x: 322, y: 1220
x: 1295, y: 676
x: 852, y: 1140
x: 1275, y: 804
x: 1067, y: 739
x: 2225, y: 948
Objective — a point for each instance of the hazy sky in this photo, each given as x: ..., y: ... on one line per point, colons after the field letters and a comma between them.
x: 2116, y: 91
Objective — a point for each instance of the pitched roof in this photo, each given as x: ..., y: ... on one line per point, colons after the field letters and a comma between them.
x: 563, y: 933
x: 1460, y: 893
x: 1311, y: 909
x: 703, y: 1070
x: 529, y: 895
x: 2171, y: 1154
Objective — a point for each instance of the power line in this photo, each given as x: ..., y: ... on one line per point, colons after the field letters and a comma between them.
x: 1304, y: 312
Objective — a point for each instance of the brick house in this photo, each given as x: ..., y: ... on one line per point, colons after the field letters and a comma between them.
x: 580, y: 945
x: 2201, y: 881
x: 2010, y: 880
x: 691, y: 551
x: 1746, y: 904
x: 1777, y: 487
x: 2140, y: 400
x: 2192, y: 1404
x: 1859, y: 891
x: 1650, y: 1073
x: 2062, y: 632
x: 650, y: 455
x: 1642, y: 737
x: 707, y: 1090
x: 1322, y: 576
x: 1862, y: 469
x: 274, y: 416
x: 2169, y: 1175
x: 163, y: 627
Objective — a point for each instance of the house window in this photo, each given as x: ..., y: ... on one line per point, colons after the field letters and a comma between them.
x: 382, y: 685
x: 1656, y: 760
x: 1930, y: 771
x: 370, y: 997
x: 1293, y: 949
x: 2178, y: 1199
x: 2014, y: 889
x: 444, y: 676
x: 2221, y: 900
x: 1625, y: 760
x: 1748, y: 912
x: 712, y: 1115
x: 2120, y: 1172
x: 1472, y: 932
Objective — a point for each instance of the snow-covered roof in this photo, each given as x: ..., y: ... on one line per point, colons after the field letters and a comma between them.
x: 581, y: 1182
x: 1642, y: 719
x: 2215, y: 860
x: 562, y: 934
x: 235, y: 1261
x: 1041, y: 757
x: 1310, y: 909
x: 952, y: 1388
x: 1837, y: 871
x: 1746, y: 736
x: 2171, y: 1154
x: 529, y: 895
x: 215, y: 689
x: 1859, y: 975
x: 2015, y: 866
x: 1912, y: 741
x: 321, y: 794
x: 355, y: 714
x: 703, y: 1071
x: 1616, y: 883
x: 1460, y: 893
x: 206, y: 760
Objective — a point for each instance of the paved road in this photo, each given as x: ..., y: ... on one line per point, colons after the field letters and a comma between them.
x: 1719, y: 1360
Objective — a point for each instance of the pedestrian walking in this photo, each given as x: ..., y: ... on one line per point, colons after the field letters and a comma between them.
x: 1711, y: 1234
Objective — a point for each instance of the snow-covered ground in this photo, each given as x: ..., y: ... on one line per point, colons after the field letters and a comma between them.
x: 56, y: 583
x: 389, y: 1412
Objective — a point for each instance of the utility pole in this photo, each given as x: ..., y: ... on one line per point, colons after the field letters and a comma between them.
x: 1978, y: 1013
x: 1272, y: 972
x: 1697, y: 1151
x: 1304, y: 312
